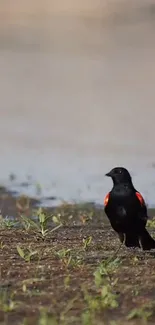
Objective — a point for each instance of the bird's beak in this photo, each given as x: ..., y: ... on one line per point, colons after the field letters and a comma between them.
x: 108, y: 174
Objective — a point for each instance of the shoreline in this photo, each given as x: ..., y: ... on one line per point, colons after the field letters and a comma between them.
x: 9, y: 198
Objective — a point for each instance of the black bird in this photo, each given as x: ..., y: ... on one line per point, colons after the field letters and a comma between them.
x: 126, y: 211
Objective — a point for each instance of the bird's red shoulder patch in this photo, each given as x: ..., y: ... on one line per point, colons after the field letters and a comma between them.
x: 106, y: 199
x: 140, y: 198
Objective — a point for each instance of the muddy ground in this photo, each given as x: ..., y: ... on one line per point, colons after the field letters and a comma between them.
x: 76, y: 274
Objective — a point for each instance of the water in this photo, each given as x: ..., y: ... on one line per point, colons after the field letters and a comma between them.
x: 77, y: 98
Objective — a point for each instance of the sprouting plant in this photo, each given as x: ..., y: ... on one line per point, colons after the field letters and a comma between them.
x: 63, y: 253
x: 68, y: 258
x: 105, y: 299
x: 46, y: 319
x: 27, y: 254
x: 151, y: 223
x: 2, y: 245
x: 7, y: 222
x: 68, y: 307
x: 7, y: 303
x: 135, y: 260
x: 27, y: 222
x: 42, y: 222
x: 8, y: 306
x: 65, y: 256
x: 40, y: 225
x: 108, y: 298
x: 67, y: 282
x: 105, y: 270
x: 87, y: 242
x: 87, y: 318
x: 144, y: 312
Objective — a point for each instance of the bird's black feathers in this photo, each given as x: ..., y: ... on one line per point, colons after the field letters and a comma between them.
x: 126, y: 210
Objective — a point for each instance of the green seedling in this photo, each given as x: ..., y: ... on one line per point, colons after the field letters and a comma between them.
x: 108, y: 298
x: 46, y: 319
x: 135, y: 260
x: 7, y: 304
x: 144, y: 313
x: 27, y: 254
x: 7, y: 223
x: 41, y: 224
x: 68, y: 307
x: 67, y: 282
x: 151, y: 223
x: 87, y: 318
x: 2, y: 245
x: 87, y: 242
x: 67, y: 257
x: 105, y: 270
x: 103, y: 300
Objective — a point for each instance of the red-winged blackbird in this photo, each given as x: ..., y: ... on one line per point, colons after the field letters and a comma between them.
x: 126, y: 210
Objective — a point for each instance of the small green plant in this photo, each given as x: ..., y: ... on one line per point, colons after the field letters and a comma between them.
x: 108, y: 298
x: 46, y: 319
x: 63, y: 253
x: 103, y: 300
x: 8, y: 306
x: 27, y: 254
x: 135, y: 260
x: 144, y: 312
x: 40, y: 225
x: 87, y: 318
x: 105, y: 270
x: 7, y: 222
x: 7, y: 303
x: 104, y: 297
x: 2, y: 245
x: 87, y: 242
x: 151, y: 223
x: 68, y: 307
x: 42, y: 222
x: 68, y: 258
x: 67, y: 282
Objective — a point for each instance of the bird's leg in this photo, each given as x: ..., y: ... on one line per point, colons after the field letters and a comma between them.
x: 122, y: 237
x: 140, y: 243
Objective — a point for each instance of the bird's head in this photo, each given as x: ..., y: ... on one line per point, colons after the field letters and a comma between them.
x: 119, y: 175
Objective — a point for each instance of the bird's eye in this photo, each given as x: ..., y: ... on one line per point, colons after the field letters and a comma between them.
x: 120, y: 171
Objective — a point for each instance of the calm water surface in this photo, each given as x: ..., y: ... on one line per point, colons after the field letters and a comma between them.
x: 77, y: 98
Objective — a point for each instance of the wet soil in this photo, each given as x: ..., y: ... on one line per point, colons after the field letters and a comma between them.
x: 57, y: 285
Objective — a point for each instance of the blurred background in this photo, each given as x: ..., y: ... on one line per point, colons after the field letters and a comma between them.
x: 77, y: 96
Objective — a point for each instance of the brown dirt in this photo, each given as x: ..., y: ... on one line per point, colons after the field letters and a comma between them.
x: 48, y: 287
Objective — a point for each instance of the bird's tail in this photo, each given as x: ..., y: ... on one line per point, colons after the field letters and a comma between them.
x: 146, y: 241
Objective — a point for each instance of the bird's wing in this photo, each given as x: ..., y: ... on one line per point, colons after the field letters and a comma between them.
x: 106, y: 199
x: 143, y: 212
x: 140, y: 198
